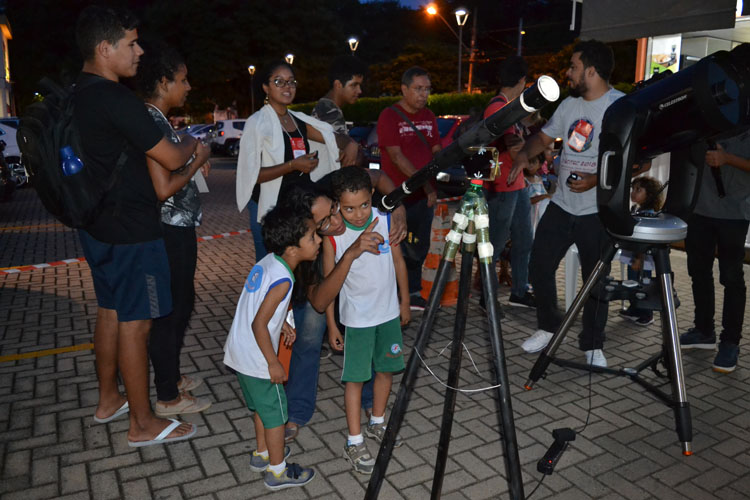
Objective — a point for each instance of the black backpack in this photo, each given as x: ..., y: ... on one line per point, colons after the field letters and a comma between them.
x: 46, y: 127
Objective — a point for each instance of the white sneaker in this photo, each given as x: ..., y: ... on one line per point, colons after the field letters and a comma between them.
x: 596, y: 357
x: 537, y: 342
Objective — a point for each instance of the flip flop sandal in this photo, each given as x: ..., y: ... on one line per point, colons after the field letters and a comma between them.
x: 162, y: 437
x: 120, y: 411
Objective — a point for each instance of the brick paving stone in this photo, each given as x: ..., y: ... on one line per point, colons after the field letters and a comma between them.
x: 44, y: 470
x: 17, y: 464
x: 179, y: 477
x: 208, y: 485
x: 171, y: 493
x: 73, y: 479
x: 105, y: 485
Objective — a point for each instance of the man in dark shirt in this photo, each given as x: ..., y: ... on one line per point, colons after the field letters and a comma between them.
x: 123, y: 246
x: 346, y: 76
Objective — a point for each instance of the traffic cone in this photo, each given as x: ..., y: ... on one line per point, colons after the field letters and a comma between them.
x: 441, y: 225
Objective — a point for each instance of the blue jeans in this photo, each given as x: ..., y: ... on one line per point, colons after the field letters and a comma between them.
x: 260, y: 247
x: 510, y: 215
x: 304, y: 367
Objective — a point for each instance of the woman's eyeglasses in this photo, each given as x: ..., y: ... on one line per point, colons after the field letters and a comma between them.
x: 325, y: 223
x: 281, y: 83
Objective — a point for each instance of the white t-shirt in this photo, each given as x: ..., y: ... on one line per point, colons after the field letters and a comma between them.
x: 369, y: 296
x: 241, y: 351
x: 578, y: 122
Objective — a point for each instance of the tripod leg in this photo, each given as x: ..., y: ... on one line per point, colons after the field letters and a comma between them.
x: 454, y: 370
x: 412, y: 366
x: 671, y: 334
x: 546, y: 356
x: 489, y: 285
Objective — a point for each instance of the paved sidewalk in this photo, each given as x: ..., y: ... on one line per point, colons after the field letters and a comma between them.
x: 51, y: 448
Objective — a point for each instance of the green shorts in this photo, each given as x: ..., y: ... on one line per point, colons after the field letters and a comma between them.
x: 379, y: 347
x: 266, y: 399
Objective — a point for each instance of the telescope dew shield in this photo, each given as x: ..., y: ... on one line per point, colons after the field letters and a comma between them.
x: 543, y: 92
x: 677, y: 113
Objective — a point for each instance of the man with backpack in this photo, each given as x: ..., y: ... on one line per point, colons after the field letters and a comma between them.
x: 408, y: 138
x: 123, y: 244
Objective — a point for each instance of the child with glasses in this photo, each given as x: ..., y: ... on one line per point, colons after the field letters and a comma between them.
x: 373, y: 305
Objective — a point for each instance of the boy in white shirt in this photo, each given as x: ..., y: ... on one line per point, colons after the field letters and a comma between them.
x: 370, y: 309
x: 253, y: 341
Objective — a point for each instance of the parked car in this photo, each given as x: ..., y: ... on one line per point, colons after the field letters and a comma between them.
x: 201, y: 131
x: 226, y: 137
x: 452, y: 181
x: 8, y: 130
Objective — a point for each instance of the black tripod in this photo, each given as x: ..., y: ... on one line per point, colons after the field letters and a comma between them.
x: 470, y: 224
x: 652, y: 235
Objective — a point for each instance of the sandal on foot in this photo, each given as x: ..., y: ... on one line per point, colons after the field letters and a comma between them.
x: 120, y: 411
x: 162, y: 437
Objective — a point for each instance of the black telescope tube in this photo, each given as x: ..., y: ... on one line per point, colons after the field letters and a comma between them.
x: 543, y: 92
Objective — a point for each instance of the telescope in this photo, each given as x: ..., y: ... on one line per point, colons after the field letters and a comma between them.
x: 541, y: 93
x: 682, y: 114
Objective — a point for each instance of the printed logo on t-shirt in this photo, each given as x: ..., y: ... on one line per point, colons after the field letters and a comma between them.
x: 254, y: 279
x: 384, y: 247
x: 580, y: 135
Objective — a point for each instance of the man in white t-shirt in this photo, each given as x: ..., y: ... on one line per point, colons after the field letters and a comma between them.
x: 571, y: 217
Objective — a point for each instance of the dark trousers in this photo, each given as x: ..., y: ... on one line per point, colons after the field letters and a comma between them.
x: 556, y: 232
x: 705, y: 236
x: 168, y: 332
x: 417, y: 243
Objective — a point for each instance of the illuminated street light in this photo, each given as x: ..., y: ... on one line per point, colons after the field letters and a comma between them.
x: 461, y: 16
x: 353, y: 44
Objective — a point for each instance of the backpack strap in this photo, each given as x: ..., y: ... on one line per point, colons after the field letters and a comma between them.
x: 419, y: 132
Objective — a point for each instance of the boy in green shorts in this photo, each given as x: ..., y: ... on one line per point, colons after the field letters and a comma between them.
x: 370, y: 309
x: 253, y: 341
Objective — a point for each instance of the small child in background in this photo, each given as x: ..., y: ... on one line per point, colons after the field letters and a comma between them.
x: 253, y: 341
x: 647, y: 195
x: 535, y: 188
x: 370, y: 310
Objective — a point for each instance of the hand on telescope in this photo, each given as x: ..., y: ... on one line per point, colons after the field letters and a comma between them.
x: 716, y: 157
x: 586, y: 182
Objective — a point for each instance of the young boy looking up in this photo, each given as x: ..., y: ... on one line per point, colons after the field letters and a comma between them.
x: 370, y: 309
x: 253, y: 340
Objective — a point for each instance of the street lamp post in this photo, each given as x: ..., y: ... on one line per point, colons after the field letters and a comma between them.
x: 353, y: 44
x: 461, y: 16
x: 251, y: 70
x: 289, y: 58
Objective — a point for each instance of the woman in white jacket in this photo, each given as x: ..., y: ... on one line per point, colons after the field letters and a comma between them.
x: 280, y: 148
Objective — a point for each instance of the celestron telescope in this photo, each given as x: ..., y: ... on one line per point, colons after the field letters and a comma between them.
x: 470, y: 225
x: 681, y: 114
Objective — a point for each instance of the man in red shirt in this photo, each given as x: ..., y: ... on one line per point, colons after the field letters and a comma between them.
x: 509, y: 204
x: 408, y: 138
